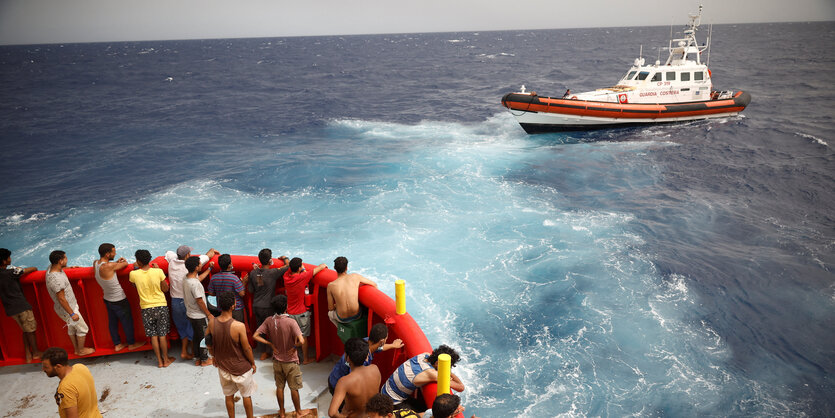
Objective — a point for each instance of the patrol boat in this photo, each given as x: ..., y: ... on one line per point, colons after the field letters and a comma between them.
x: 679, y: 90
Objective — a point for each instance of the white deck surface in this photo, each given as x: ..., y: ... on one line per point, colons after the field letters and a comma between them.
x: 135, y: 387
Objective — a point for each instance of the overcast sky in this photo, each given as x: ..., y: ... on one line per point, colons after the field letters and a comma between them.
x: 65, y: 21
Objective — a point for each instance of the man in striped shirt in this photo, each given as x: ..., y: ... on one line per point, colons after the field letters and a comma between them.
x: 415, y: 373
x: 227, y: 281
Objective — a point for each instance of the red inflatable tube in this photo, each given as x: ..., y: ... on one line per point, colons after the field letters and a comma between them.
x: 51, y: 331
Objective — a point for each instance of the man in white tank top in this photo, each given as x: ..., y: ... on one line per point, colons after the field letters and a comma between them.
x: 115, y: 299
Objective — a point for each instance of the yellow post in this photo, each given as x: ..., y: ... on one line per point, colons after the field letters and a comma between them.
x: 444, y: 364
x: 400, y: 296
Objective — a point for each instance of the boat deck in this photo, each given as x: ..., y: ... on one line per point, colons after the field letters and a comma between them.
x: 131, y: 385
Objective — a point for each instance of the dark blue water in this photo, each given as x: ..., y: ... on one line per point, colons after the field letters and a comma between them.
x: 677, y: 270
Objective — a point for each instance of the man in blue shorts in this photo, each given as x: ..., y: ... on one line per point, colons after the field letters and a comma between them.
x: 176, y: 277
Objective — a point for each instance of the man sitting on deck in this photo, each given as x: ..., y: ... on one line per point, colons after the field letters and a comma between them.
x: 357, y: 387
x: 343, y: 301
x: 376, y: 342
x: 415, y: 373
x: 381, y: 406
x: 446, y: 405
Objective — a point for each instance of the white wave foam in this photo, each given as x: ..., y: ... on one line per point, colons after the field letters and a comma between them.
x: 813, y: 138
x: 20, y: 219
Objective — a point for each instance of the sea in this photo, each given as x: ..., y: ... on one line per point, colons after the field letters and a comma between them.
x: 672, y: 270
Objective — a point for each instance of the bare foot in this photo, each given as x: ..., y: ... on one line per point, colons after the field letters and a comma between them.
x: 85, y: 351
x: 186, y: 356
x: 28, y: 357
x: 119, y: 347
x: 280, y: 414
x: 308, y: 361
x: 37, y: 355
x: 300, y: 414
x: 264, y: 356
x: 207, y: 362
x: 136, y: 345
x: 168, y: 361
x: 197, y: 362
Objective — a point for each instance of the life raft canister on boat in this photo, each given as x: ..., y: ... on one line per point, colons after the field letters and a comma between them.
x: 622, y: 98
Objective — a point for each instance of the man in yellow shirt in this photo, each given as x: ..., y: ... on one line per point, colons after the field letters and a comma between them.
x: 76, y: 395
x: 150, y: 284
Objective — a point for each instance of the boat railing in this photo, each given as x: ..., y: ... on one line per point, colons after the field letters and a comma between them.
x: 51, y: 331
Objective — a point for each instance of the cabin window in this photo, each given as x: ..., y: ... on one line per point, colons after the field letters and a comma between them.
x: 671, y: 76
x: 685, y: 76
x: 698, y: 76
x: 643, y: 75
x: 656, y: 77
x: 630, y: 75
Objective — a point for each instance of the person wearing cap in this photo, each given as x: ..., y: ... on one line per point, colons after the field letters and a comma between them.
x: 176, y: 276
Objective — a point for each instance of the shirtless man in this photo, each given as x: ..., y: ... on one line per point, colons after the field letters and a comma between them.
x: 343, y: 294
x: 357, y: 387
x: 115, y: 299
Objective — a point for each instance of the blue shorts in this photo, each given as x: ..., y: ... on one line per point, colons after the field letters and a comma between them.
x: 178, y: 312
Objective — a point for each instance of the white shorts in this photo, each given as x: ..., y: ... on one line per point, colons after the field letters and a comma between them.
x: 232, y: 384
x: 78, y: 328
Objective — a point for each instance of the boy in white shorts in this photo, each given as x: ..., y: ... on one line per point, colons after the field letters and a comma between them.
x: 66, y: 306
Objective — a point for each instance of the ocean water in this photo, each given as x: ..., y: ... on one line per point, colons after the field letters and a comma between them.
x: 677, y: 270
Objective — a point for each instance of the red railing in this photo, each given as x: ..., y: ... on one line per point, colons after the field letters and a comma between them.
x: 51, y: 330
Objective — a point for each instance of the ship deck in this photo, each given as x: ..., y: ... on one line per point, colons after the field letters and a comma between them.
x: 131, y: 385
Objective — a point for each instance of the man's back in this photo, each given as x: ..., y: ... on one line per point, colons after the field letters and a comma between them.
x: 282, y: 331
x: 148, y: 287
x: 227, y: 348
x: 227, y: 281
x: 360, y: 385
x: 345, y: 293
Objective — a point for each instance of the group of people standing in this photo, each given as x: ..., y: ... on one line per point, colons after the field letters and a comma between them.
x: 283, y: 327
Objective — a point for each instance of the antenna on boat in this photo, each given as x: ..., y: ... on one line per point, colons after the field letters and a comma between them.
x: 709, y: 33
x: 670, y: 43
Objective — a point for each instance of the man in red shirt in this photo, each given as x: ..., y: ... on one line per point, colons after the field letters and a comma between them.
x: 296, y: 280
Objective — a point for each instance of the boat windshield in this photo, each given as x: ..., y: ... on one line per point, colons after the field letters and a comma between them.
x: 643, y: 75
x: 630, y: 75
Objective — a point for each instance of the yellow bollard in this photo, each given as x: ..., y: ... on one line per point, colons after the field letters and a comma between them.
x: 444, y: 364
x: 400, y: 296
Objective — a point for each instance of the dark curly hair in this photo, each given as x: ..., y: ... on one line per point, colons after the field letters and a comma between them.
x: 443, y: 349
x: 379, y: 404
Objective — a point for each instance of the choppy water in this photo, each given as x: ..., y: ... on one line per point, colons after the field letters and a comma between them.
x: 667, y: 271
